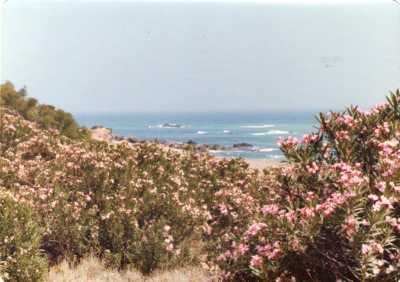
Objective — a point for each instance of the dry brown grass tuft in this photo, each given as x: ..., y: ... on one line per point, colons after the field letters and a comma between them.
x: 92, y: 270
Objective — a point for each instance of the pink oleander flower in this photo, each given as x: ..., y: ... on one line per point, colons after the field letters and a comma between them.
x: 373, y: 197
x: 289, y: 142
x: 223, y: 209
x: 350, y: 225
x: 307, y: 212
x: 313, y: 168
x: 342, y: 135
x: 256, y: 261
x: 272, y: 252
x: 372, y: 248
x: 310, y: 138
x: 295, y: 244
x: 272, y: 209
x: 242, y: 249
x: 381, y: 186
x: 383, y: 202
x: 365, y: 249
x: 254, y: 229
x: 170, y: 247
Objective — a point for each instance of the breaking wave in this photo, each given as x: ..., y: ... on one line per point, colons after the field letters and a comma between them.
x: 267, y: 150
x: 258, y: 126
x: 271, y: 132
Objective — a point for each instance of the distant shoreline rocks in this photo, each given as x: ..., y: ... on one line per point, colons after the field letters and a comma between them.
x: 167, y: 125
x: 171, y: 125
x: 242, y: 145
x: 102, y: 133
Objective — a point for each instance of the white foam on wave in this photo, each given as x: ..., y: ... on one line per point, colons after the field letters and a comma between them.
x: 267, y: 150
x: 278, y: 132
x: 201, y: 132
x: 277, y: 157
x: 216, y: 151
x: 227, y: 131
x: 258, y: 126
x: 271, y: 132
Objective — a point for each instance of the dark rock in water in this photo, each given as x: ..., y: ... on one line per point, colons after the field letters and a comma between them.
x: 118, y: 138
x: 202, y: 149
x: 242, y: 145
x: 94, y: 127
x: 191, y: 142
x: 132, y: 140
x: 216, y: 147
x: 171, y: 125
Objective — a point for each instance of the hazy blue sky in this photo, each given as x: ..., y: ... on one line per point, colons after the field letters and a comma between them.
x: 213, y: 56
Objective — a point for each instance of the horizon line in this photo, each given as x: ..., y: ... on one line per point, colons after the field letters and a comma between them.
x: 261, y: 2
x: 258, y: 111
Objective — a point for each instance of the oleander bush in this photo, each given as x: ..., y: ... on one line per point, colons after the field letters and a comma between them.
x: 330, y: 214
x: 135, y: 206
x: 20, y: 237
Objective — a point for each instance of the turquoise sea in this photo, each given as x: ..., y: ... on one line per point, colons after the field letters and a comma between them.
x: 261, y: 130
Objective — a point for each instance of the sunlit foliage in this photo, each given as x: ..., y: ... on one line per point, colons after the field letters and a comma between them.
x: 46, y: 116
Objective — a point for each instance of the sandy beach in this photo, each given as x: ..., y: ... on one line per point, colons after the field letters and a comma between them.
x: 263, y: 163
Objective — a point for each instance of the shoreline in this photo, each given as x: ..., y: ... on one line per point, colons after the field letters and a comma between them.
x: 264, y: 163
x: 101, y: 133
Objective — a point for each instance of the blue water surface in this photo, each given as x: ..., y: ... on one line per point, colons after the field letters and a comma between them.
x: 261, y: 130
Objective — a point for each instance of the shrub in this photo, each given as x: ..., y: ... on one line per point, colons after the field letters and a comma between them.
x: 127, y: 204
x: 45, y: 115
x: 20, y: 256
x: 333, y: 212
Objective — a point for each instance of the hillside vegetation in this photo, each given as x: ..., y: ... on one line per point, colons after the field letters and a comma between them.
x: 46, y: 116
x: 331, y: 214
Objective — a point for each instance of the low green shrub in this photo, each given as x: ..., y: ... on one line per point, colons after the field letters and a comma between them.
x: 20, y: 256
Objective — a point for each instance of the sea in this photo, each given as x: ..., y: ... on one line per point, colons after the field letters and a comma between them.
x: 260, y: 130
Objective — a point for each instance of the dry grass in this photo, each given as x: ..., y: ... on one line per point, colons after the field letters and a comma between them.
x: 91, y: 269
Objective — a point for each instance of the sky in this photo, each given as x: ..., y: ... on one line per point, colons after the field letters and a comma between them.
x: 231, y: 1
x: 203, y: 56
